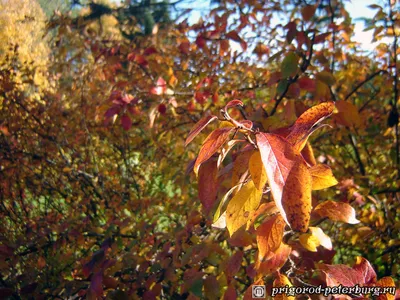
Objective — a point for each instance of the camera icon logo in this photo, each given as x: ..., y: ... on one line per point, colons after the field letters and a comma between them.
x: 258, y: 291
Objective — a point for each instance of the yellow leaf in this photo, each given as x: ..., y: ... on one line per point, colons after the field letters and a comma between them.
x: 257, y: 170
x: 309, y: 241
x: 246, y: 200
x: 324, y: 240
x: 67, y: 170
x: 240, y: 166
x: 308, y: 154
x: 322, y: 177
x: 282, y: 281
x: 225, y: 124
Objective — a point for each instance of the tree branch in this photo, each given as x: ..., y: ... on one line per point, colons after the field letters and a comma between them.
x: 364, y: 82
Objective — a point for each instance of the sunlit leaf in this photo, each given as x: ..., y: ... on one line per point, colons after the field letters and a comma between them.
x: 361, y: 274
x: 278, y: 158
x: 308, y: 154
x: 257, y: 170
x: 240, y: 165
x: 269, y: 236
x: 275, y: 262
x: 322, y: 177
x: 282, y: 281
x: 264, y: 210
x: 296, y: 196
x: 246, y: 200
x: 324, y: 240
x: 305, y: 124
x: 386, y: 282
x: 337, y: 211
x: 309, y: 241
x: 211, y: 145
x: 160, y: 87
x: 200, y: 125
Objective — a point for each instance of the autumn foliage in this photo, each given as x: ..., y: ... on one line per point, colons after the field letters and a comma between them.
x: 144, y: 155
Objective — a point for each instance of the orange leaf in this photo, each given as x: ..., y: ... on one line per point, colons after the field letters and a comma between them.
x: 337, y: 211
x: 200, y: 125
x: 347, y: 114
x: 296, y: 197
x: 208, y: 184
x: 184, y: 47
x: 261, y: 49
x: 387, y: 284
x: 265, y: 209
x: 269, y: 236
x: 211, y: 145
x: 224, y: 44
x: 278, y: 158
x: 275, y: 262
x: 322, y: 177
x: 257, y: 170
x: 305, y: 124
x: 248, y: 295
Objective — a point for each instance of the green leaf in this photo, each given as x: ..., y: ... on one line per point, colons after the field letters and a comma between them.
x: 282, y: 85
x: 289, y: 65
x: 197, y: 287
x: 326, y: 77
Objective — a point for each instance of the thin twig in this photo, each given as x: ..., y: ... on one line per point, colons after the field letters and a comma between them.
x: 357, y: 153
x: 368, y: 78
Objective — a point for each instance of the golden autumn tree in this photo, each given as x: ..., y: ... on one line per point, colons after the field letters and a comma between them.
x: 23, y: 26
